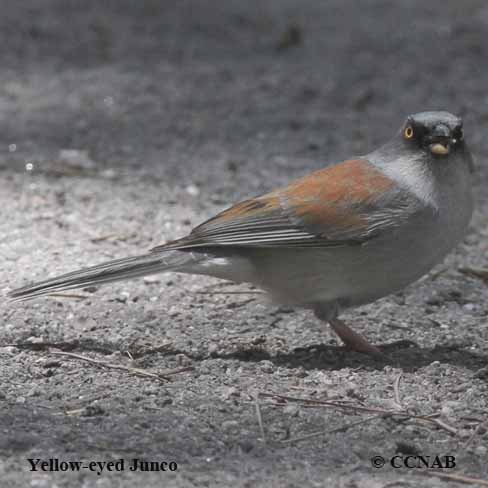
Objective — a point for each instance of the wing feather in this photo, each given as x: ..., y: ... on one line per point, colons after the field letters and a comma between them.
x: 345, y: 204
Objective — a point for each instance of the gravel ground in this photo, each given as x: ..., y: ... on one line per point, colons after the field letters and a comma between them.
x: 184, y: 107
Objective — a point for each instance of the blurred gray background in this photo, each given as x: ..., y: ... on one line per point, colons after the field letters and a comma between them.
x: 123, y: 124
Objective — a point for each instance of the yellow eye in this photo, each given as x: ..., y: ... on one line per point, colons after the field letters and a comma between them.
x: 408, y: 132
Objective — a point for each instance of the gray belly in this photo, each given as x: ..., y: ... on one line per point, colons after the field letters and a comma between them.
x: 358, y: 274
x: 353, y: 275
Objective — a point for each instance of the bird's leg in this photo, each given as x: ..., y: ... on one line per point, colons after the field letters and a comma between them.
x: 351, y: 339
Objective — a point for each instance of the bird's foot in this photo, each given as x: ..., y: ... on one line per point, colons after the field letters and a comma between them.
x: 356, y: 342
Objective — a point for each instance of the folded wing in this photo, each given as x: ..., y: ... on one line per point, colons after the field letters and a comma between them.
x: 346, y: 204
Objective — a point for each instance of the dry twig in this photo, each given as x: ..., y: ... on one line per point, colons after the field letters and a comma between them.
x: 69, y: 295
x: 136, y: 371
x: 432, y: 419
x: 453, y: 477
x: 440, y: 423
x: 244, y: 292
x: 260, y: 418
x: 342, y: 428
x: 396, y: 389
x: 103, y: 238
x: 480, y: 426
x: 480, y: 273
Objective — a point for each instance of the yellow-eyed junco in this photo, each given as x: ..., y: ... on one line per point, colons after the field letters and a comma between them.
x: 340, y: 237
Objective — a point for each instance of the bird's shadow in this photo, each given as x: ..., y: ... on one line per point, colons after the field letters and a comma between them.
x: 401, y: 354
x: 330, y: 358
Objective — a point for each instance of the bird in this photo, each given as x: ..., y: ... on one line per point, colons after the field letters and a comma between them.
x: 338, y: 238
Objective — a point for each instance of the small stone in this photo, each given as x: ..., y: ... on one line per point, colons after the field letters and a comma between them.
x: 434, y: 301
x: 230, y: 425
x: 90, y: 289
x: 109, y: 174
x: 51, y: 363
x: 9, y: 350
x: 481, y: 451
x: 193, y: 190
x: 34, y: 340
x: 450, y: 408
x: 246, y: 446
x: 292, y: 410
x: 150, y: 280
x: 482, y: 430
x: 183, y: 360
x: 150, y: 390
x: 76, y: 159
x: 407, y: 448
x: 230, y: 392
x: 482, y: 373
x: 232, y: 165
x: 93, y: 411
x: 300, y: 372
x: 34, y: 391
x: 122, y: 298
x: 267, y: 366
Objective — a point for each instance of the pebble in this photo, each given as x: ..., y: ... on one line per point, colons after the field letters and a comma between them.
x: 193, y: 190
x: 165, y: 401
x: 42, y: 483
x: 34, y: 340
x: 292, y: 410
x: 300, y: 372
x: 230, y: 392
x: 150, y: 280
x: 51, y: 363
x: 9, y: 350
x: 93, y: 410
x: 481, y: 451
x: 267, y: 366
x: 34, y: 391
x: 150, y: 390
x: 122, y: 297
x: 230, y: 424
x: 183, y: 360
x: 76, y: 159
x: 451, y: 407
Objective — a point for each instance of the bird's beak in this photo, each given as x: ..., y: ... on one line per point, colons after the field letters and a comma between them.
x: 439, y: 149
x: 441, y: 138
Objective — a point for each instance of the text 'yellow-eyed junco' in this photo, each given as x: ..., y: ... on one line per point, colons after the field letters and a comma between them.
x: 340, y: 237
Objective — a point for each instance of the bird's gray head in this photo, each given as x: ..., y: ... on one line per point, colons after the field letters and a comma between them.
x: 429, y: 150
x: 438, y: 133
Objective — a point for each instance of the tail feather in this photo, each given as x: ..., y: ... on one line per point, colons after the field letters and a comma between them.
x: 108, y: 272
